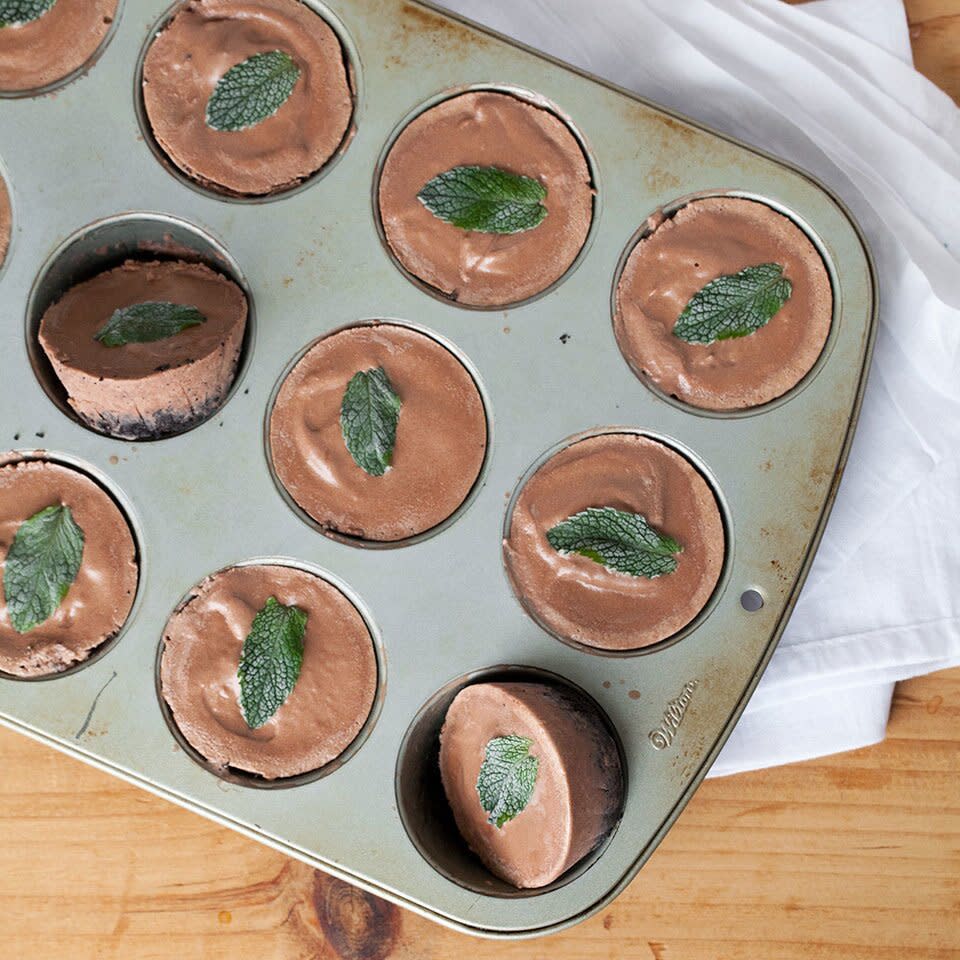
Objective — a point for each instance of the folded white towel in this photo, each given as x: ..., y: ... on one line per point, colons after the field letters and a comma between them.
x: 829, y: 85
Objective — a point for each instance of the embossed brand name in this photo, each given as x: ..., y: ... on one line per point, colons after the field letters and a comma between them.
x: 661, y: 737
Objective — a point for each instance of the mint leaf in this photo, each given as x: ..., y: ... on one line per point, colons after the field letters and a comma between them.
x: 734, y: 305
x: 622, y: 542
x: 270, y: 661
x: 486, y: 199
x: 507, y: 777
x: 15, y: 12
x: 368, y: 419
x: 42, y: 563
x: 146, y: 322
x: 252, y: 90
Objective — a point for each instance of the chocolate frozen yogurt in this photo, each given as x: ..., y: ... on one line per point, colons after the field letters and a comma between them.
x: 378, y: 432
x: 147, y: 349
x: 69, y: 567
x: 50, y: 39
x: 269, y: 670
x: 487, y: 198
x: 725, y: 305
x: 615, y: 542
x: 532, y: 776
x: 247, y: 97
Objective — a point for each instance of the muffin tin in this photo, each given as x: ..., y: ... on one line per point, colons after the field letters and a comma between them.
x: 549, y: 369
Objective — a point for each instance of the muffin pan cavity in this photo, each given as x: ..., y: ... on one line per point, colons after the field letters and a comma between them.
x: 423, y: 806
x: 592, y: 607
x: 693, y: 240
x: 545, y: 366
x: 42, y: 55
x: 443, y: 437
x: 508, y: 129
x: 343, y: 668
x: 299, y: 143
x: 143, y: 241
x: 104, y: 596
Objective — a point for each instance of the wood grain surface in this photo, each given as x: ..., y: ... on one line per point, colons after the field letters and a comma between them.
x: 851, y: 857
x: 935, y: 38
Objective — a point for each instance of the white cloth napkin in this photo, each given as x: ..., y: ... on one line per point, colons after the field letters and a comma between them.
x: 829, y: 85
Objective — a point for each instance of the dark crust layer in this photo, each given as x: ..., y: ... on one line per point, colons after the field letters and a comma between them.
x: 163, y: 423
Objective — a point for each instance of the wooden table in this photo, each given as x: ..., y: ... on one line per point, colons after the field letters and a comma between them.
x: 853, y: 856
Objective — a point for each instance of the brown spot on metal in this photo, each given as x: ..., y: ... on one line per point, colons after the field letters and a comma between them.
x: 356, y: 924
x: 422, y: 20
x: 506, y: 329
x: 633, y: 694
x: 659, y: 180
x: 606, y: 684
x: 114, y: 459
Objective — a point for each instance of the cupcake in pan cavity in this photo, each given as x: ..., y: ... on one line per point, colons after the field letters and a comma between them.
x: 486, y: 197
x: 6, y: 220
x: 147, y: 349
x: 268, y: 670
x: 45, y: 41
x: 378, y: 433
x: 615, y: 542
x: 724, y: 305
x: 247, y: 97
x: 69, y: 567
x: 532, y: 776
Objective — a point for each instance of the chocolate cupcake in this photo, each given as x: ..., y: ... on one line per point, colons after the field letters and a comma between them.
x: 35, y: 53
x: 242, y: 712
x: 725, y: 305
x: 615, y: 542
x: 69, y: 573
x: 247, y: 97
x: 378, y: 432
x: 147, y: 349
x: 487, y: 198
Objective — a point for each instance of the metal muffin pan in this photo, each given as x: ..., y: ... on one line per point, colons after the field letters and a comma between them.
x: 312, y: 261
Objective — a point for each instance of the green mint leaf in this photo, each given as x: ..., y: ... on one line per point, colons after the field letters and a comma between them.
x: 368, y: 419
x: 270, y: 661
x: 485, y: 199
x: 734, y: 305
x: 252, y: 90
x: 507, y: 777
x: 42, y: 563
x: 623, y: 542
x: 15, y: 12
x: 146, y: 322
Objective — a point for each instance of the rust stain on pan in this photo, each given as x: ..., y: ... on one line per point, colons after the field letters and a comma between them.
x: 450, y: 37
